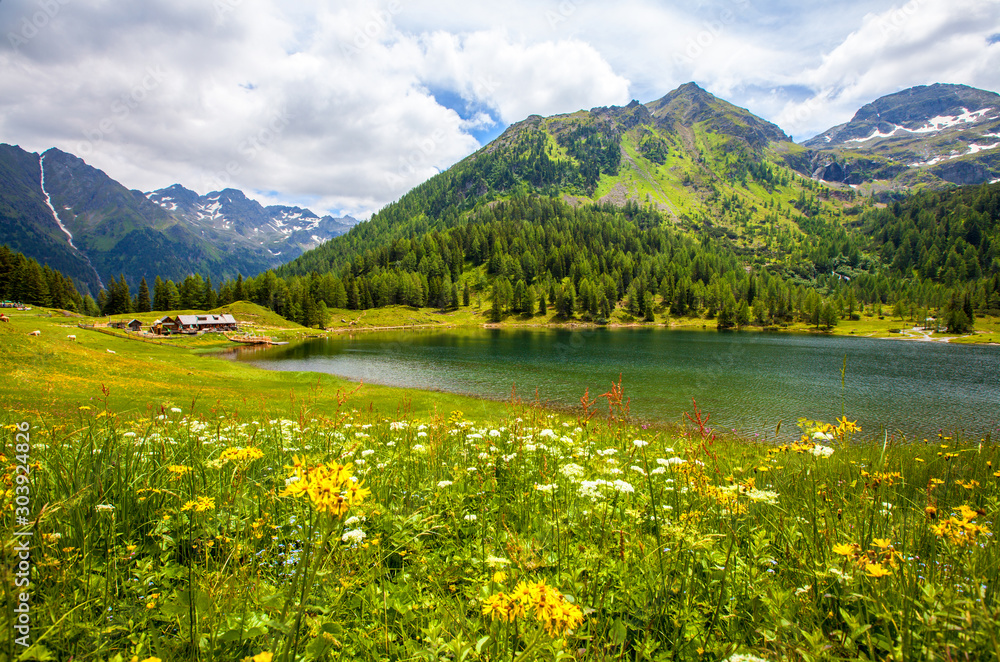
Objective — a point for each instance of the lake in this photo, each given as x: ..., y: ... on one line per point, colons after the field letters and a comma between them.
x: 747, y: 381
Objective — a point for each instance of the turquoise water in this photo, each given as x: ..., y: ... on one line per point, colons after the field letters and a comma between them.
x: 747, y: 381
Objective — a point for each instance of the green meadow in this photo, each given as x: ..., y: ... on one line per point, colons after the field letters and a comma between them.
x: 179, y: 506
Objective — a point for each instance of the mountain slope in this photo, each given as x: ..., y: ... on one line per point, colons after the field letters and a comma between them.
x: 712, y: 168
x: 932, y: 135
x: 61, y: 211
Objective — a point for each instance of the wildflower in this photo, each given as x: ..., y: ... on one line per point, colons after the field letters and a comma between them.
x: 200, y: 505
x: 353, y: 536
x: 241, y: 454
x: 444, y: 483
x: 882, y: 543
x: 546, y: 489
x: 496, y: 561
x: 639, y: 443
x: 822, y: 451
x: 366, y: 452
x: 470, y: 518
x: 762, y: 496
x: 622, y: 486
x: 419, y: 448
x: 876, y: 570
x: 104, y: 508
x: 843, y: 549
x: 175, y: 410
x: 499, y: 577
x: 931, y: 512
x: 745, y: 657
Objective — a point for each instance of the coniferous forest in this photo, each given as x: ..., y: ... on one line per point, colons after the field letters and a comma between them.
x: 934, y: 253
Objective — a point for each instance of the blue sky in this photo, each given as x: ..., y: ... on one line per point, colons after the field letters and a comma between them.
x: 345, y: 106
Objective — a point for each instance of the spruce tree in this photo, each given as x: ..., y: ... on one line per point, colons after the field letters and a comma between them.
x: 142, y: 301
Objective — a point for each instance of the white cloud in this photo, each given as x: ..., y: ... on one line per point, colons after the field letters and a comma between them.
x: 345, y: 106
x: 918, y: 43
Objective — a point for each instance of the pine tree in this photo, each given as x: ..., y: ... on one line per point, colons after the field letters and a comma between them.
x: 142, y: 301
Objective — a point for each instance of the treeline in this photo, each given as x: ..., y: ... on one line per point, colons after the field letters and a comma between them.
x: 24, y: 280
x: 530, y: 254
x: 944, y: 236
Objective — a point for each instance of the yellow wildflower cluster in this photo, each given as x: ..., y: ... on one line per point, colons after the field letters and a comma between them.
x: 887, y: 478
x: 535, y: 599
x: 960, y: 530
x: 874, y: 561
x: 241, y: 454
x: 201, y: 504
x: 330, y: 487
x: 179, y: 470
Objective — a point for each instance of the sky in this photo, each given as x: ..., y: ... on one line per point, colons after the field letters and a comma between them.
x: 344, y: 106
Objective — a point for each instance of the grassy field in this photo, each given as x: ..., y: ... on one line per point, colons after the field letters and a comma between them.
x: 179, y: 506
x: 51, y: 375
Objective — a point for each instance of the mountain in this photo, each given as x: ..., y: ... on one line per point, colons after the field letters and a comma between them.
x: 229, y: 216
x: 932, y: 135
x: 710, y: 167
x: 64, y: 213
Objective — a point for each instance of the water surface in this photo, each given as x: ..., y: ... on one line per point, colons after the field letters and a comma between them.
x: 747, y: 381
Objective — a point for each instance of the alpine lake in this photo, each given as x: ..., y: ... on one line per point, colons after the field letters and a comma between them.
x: 746, y: 381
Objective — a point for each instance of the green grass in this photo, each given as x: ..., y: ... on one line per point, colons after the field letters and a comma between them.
x: 150, y: 539
x: 52, y: 375
x: 157, y: 540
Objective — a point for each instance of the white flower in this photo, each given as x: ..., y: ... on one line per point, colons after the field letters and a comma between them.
x: 638, y: 470
x: 822, y: 451
x: 359, y: 463
x: 607, y: 451
x: 496, y: 561
x: 546, y: 488
x: 822, y: 436
x: 470, y: 518
x: 421, y: 434
x: 494, y: 433
x: 572, y: 471
x: 667, y: 462
x: 104, y: 508
x: 444, y: 483
x: 763, y: 496
x: 803, y: 589
x: 591, y: 489
x: 547, y: 433
x: 471, y: 469
x: 398, y: 425
x: 175, y: 410
x: 745, y: 657
x: 290, y: 480
x: 622, y: 486
x: 639, y: 443
x: 508, y: 458
x: 353, y: 537
x: 366, y: 452
x: 484, y: 456
x: 419, y: 448
x: 353, y: 519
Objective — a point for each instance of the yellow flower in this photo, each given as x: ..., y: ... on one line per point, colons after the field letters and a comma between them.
x: 241, y: 454
x: 881, y: 543
x: 263, y: 657
x: 178, y: 469
x: 499, y: 577
x: 843, y: 549
x: 876, y: 570
x: 201, y: 504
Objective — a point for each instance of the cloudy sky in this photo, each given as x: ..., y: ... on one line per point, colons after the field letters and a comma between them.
x: 343, y: 106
